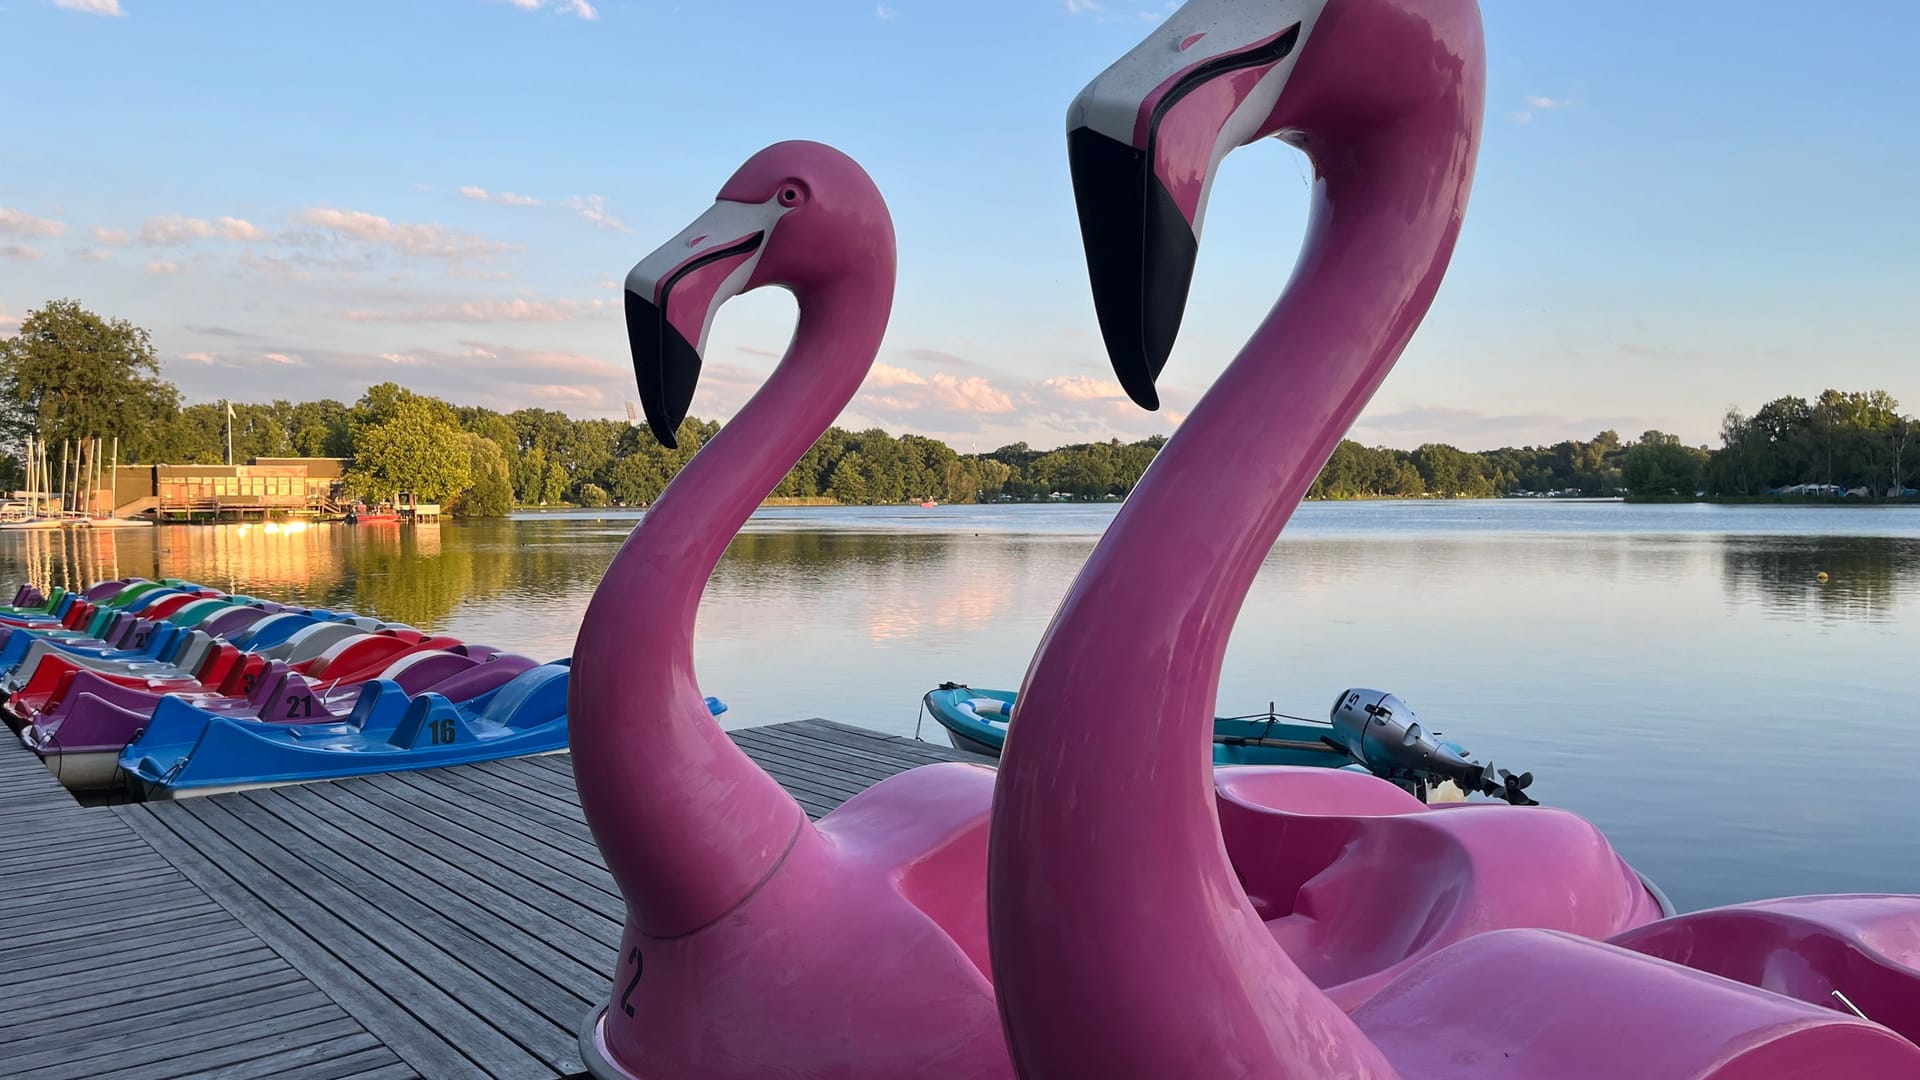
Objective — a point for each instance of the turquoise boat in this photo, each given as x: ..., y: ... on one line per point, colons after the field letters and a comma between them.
x: 1370, y: 732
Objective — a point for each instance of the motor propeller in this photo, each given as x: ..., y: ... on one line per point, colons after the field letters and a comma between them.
x: 1511, y: 788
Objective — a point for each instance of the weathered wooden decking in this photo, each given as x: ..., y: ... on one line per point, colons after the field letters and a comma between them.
x: 114, y: 964
x: 451, y: 922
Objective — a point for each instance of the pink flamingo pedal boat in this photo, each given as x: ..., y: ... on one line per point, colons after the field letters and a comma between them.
x: 761, y: 944
x: 1136, y: 928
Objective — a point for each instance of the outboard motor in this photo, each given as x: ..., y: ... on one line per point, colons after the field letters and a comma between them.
x: 1381, y: 732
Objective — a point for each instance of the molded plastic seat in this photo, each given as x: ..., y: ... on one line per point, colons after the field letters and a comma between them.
x: 1358, y: 880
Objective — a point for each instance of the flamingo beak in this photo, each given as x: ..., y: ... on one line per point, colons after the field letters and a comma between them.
x: 1144, y: 140
x: 672, y: 296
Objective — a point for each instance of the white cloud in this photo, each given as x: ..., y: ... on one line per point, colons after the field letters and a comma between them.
x: 283, y: 358
x: 198, y: 357
x: 504, y: 198
x: 18, y: 251
x: 173, y: 229
x: 884, y: 12
x: 425, y: 241
x: 92, y: 255
x: 1536, y: 104
x: 462, y: 273
x: 170, y: 230
x: 21, y: 223
x: 399, y: 358
x: 232, y: 228
x: 486, y: 311
x: 909, y: 391
x: 8, y: 321
x: 885, y: 376
x: 91, y: 7
x: 157, y: 267
x: 116, y: 237
x: 971, y: 394
x: 1077, y: 7
x: 579, y: 9
x: 1085, y: 388
x: 594, y: 209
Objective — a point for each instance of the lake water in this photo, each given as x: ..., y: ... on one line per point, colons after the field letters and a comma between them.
x: 1677, y: 674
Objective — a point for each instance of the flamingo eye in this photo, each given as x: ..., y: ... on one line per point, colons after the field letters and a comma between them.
x: 791, y: 195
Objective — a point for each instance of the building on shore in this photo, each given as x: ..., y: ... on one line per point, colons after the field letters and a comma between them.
x: 261, y: 488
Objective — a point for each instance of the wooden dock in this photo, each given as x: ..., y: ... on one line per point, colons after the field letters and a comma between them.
x: 453, y: 922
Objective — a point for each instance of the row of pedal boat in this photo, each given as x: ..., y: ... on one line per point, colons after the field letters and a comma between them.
x: 167, y: 688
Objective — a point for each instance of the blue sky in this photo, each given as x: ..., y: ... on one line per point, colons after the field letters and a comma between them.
x: 1680, y: 207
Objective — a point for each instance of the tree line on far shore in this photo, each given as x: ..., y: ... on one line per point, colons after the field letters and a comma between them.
x: 69, y: 374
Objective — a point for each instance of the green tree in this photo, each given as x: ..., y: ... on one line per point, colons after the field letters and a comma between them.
x: 416, y: 448
x: 491, y: 490
x: 848, y: 482
x: 1659, y: 465
x: 70, y: 374
x: 319, y: 429
x: 554, y: 490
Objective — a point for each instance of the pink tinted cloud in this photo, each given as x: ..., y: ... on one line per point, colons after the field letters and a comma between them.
x: 971, y: 394
x: 486, y: 311
x: 421, y: 241
x: 21, y: 223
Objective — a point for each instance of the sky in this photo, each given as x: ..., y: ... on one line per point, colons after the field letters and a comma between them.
x: 1679, y: 207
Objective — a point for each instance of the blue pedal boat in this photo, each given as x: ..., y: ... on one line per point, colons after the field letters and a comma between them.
x: 186, y: 751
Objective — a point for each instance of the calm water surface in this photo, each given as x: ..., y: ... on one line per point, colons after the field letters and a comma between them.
x: 1675, y: 673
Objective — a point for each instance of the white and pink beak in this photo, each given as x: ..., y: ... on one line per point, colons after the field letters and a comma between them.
x: 673, y: 294
x: 1144, y: 140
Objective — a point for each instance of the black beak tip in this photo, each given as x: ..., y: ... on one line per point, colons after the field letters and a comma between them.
x: 665, y: 365
x: 1141, y: 252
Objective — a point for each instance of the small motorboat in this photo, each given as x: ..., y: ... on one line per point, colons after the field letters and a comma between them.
x: 1368, y: 731
x: 362, y: 514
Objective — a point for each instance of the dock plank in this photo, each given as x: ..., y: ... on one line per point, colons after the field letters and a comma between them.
x: 444, y: 923
x: 113, y: 963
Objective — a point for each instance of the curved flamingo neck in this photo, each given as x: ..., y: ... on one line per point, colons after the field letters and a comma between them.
x: 688, y: 824
x: 1107, y: 879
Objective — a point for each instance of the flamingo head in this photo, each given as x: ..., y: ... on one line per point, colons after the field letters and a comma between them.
x: 797, y: 215
x: 1146, y: 137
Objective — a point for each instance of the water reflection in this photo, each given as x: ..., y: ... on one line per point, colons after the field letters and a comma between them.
x: 1782, y: 575
x: 1678, y: 675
